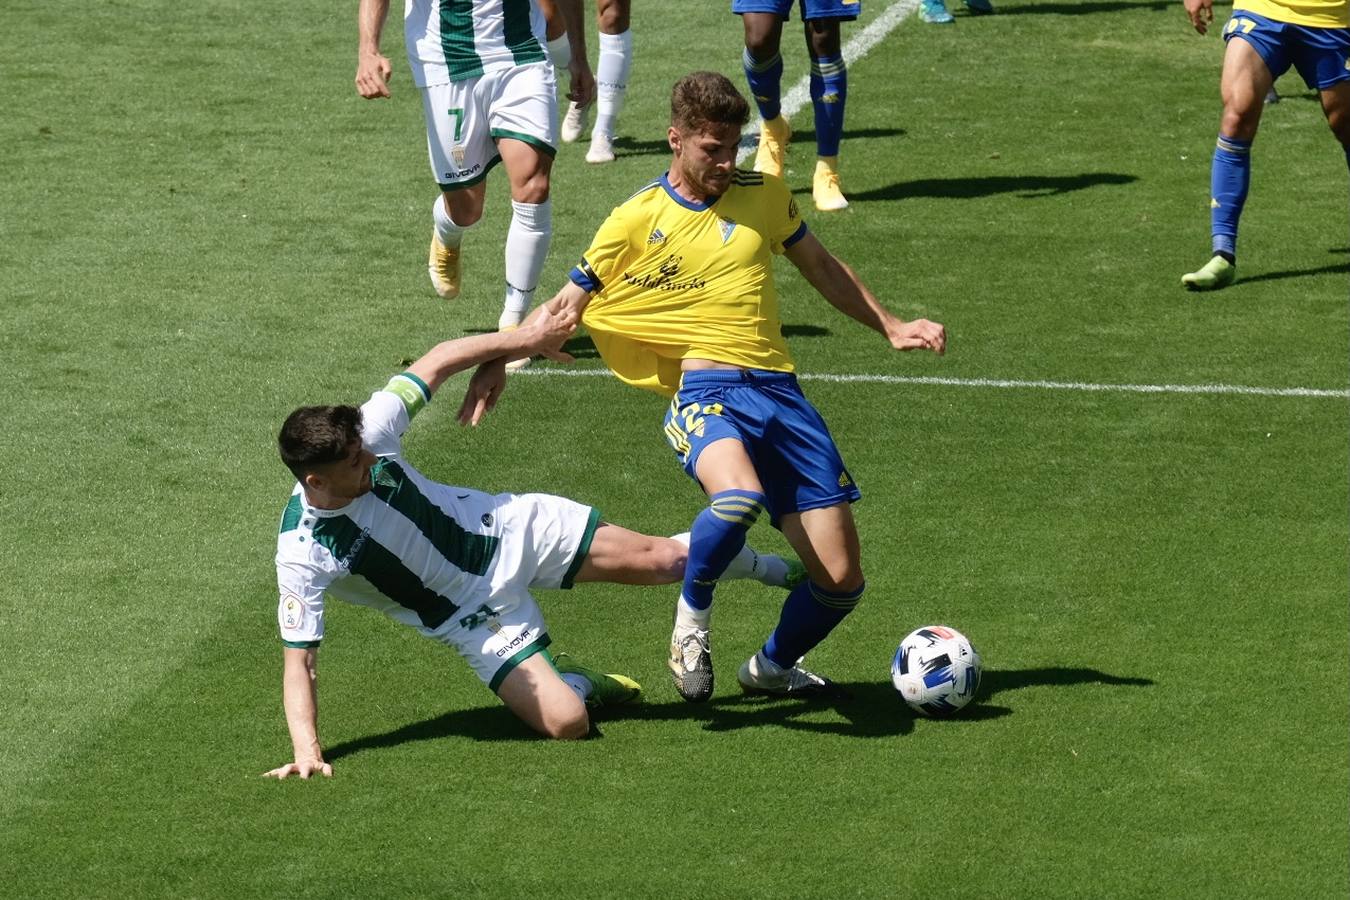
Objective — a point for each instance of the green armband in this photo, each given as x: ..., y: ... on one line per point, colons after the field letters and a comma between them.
x: 412, y: 390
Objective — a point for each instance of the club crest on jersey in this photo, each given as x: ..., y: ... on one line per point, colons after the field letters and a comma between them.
x: 656, y: 237
x: 292, y: 611
x: 727, y: 226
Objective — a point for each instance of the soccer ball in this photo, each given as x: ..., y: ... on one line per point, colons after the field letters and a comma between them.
x: 936, y: 670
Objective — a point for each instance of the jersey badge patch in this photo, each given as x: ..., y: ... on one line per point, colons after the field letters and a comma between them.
x: 457, y: 152
x: 292, y: 611
x: 486, y: 520
x: 727, y: 226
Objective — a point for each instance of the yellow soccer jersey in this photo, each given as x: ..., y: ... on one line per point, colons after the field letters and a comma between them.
x: 1313, y: 13
x: 674, y: 279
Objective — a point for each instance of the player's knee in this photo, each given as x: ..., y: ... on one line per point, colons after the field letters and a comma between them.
x: 1340, y: 126
x: 465, y: 211
x: 1239, y: 123
x: 669, y: 558
x: 532, y: 189
x: 845, y: 578
x: 571, y: 726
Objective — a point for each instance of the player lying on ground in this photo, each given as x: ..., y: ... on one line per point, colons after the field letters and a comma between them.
x: 456, y: 564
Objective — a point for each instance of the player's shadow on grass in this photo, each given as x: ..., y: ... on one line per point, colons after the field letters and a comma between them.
x: 1026, y: 187
x: 873, y: 710
x: 626, y: 146
x: 1338, y: 268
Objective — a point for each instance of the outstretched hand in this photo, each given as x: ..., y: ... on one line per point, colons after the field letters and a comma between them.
x: 304, y: 769
x: 485, y: 388
x: 920, y: 334
x: 1201, y: 13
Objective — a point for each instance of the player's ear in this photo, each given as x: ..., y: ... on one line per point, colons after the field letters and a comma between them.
x: 673, y: 138
x: 314, y: 481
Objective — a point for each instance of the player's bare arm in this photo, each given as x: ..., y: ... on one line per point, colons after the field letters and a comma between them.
x: 842, y: 287
x: 372, y: 67
x: 582, y: 81
x: 562, y: 311
x: 1201, y: 13
x: 542, y: 333
x: 300, y: 697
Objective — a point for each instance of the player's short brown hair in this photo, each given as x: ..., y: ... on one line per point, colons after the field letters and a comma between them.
x: 317, y: 435
x: 706, y: 98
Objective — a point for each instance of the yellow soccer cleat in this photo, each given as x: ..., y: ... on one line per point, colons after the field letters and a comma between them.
x: 773, y: 142
x: 509, y: 321
x: 443, y: 267
x: 606, y: 689
x: 825, y: 189
x: 1215, y: 274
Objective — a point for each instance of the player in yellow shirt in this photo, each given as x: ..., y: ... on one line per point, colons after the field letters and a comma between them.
x: 677, y: 291
x: 1265, y: 38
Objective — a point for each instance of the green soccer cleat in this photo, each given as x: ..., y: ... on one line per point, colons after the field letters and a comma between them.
x: 606, y: 690
x: 796, y: 574
x: 1215, y: 274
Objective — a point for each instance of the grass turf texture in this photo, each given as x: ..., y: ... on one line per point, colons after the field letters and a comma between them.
x: 204, y: 227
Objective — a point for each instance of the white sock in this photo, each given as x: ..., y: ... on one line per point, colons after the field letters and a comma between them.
x: 560, y: 52
x: 446, y: 229
x: 687, y: 616
x: 766, y: 568
x: 579, y: 683
x: 527, y: 243
x: 611, y: 79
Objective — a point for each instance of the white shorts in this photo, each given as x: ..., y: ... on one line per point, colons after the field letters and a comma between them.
x: 544, y: 540
x: 464, y: 119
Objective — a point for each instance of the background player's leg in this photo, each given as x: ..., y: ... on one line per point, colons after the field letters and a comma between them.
x: 1244, y: 85
x: 453, y: 213
x: 1336, y: 105
x: 764, y: 71
x: 611, y: 76
x: 829, y: 92
x: 531, y: 231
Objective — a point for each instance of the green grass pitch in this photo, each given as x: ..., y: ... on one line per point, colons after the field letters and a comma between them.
x: 202, y: 226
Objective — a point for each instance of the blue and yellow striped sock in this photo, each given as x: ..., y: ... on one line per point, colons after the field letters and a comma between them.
x: 829, y: 90
x: 1230, y: 175
x: 809, y: 615
x: 717, y: 535
x: 766, y: 83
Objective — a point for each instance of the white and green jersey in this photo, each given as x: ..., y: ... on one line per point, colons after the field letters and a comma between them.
x: 415, y: 549
x: 451, y: 40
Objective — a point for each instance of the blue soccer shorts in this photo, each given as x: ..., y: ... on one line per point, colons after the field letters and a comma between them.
x: 1321, y: 55
x: 810, y: 9
x: 798, y: 465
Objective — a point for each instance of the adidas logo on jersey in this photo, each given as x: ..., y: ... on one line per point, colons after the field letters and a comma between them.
x: 656, y: 237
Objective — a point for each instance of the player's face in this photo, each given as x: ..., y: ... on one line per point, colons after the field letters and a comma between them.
x: 707, y: 158
x: 343, y: 481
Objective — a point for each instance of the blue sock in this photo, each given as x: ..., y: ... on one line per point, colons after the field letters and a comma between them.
x: 1229, y: 177
x: 809, y: 615
x: 717, y: 535
x: 829, y: 89
x: 766, y: 83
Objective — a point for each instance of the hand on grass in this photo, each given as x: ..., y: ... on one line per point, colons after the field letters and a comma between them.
x: 304, y: 769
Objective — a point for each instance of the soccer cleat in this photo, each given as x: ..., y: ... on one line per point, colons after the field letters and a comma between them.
x: 825, y: 189
x: 1215, y: 274
x: 759, y: 675
x: 691, y: 663
x: 773, y: 142
x: 1272, y: 95
x: 601, y: 149
x: 443, y: 267
x: 934, y: 12
x: 606, y: 689
x: 796, y: 574
x: 573, y: 122
x: 979, y: 7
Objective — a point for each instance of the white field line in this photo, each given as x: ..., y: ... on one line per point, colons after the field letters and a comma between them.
x: 1231, y: 389
x: 800, y: 94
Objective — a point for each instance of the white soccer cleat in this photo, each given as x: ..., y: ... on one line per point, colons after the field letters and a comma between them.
x: 573, y: 122
x: 691, y: 662
x: 601, y: 149
x: 760, y: 675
